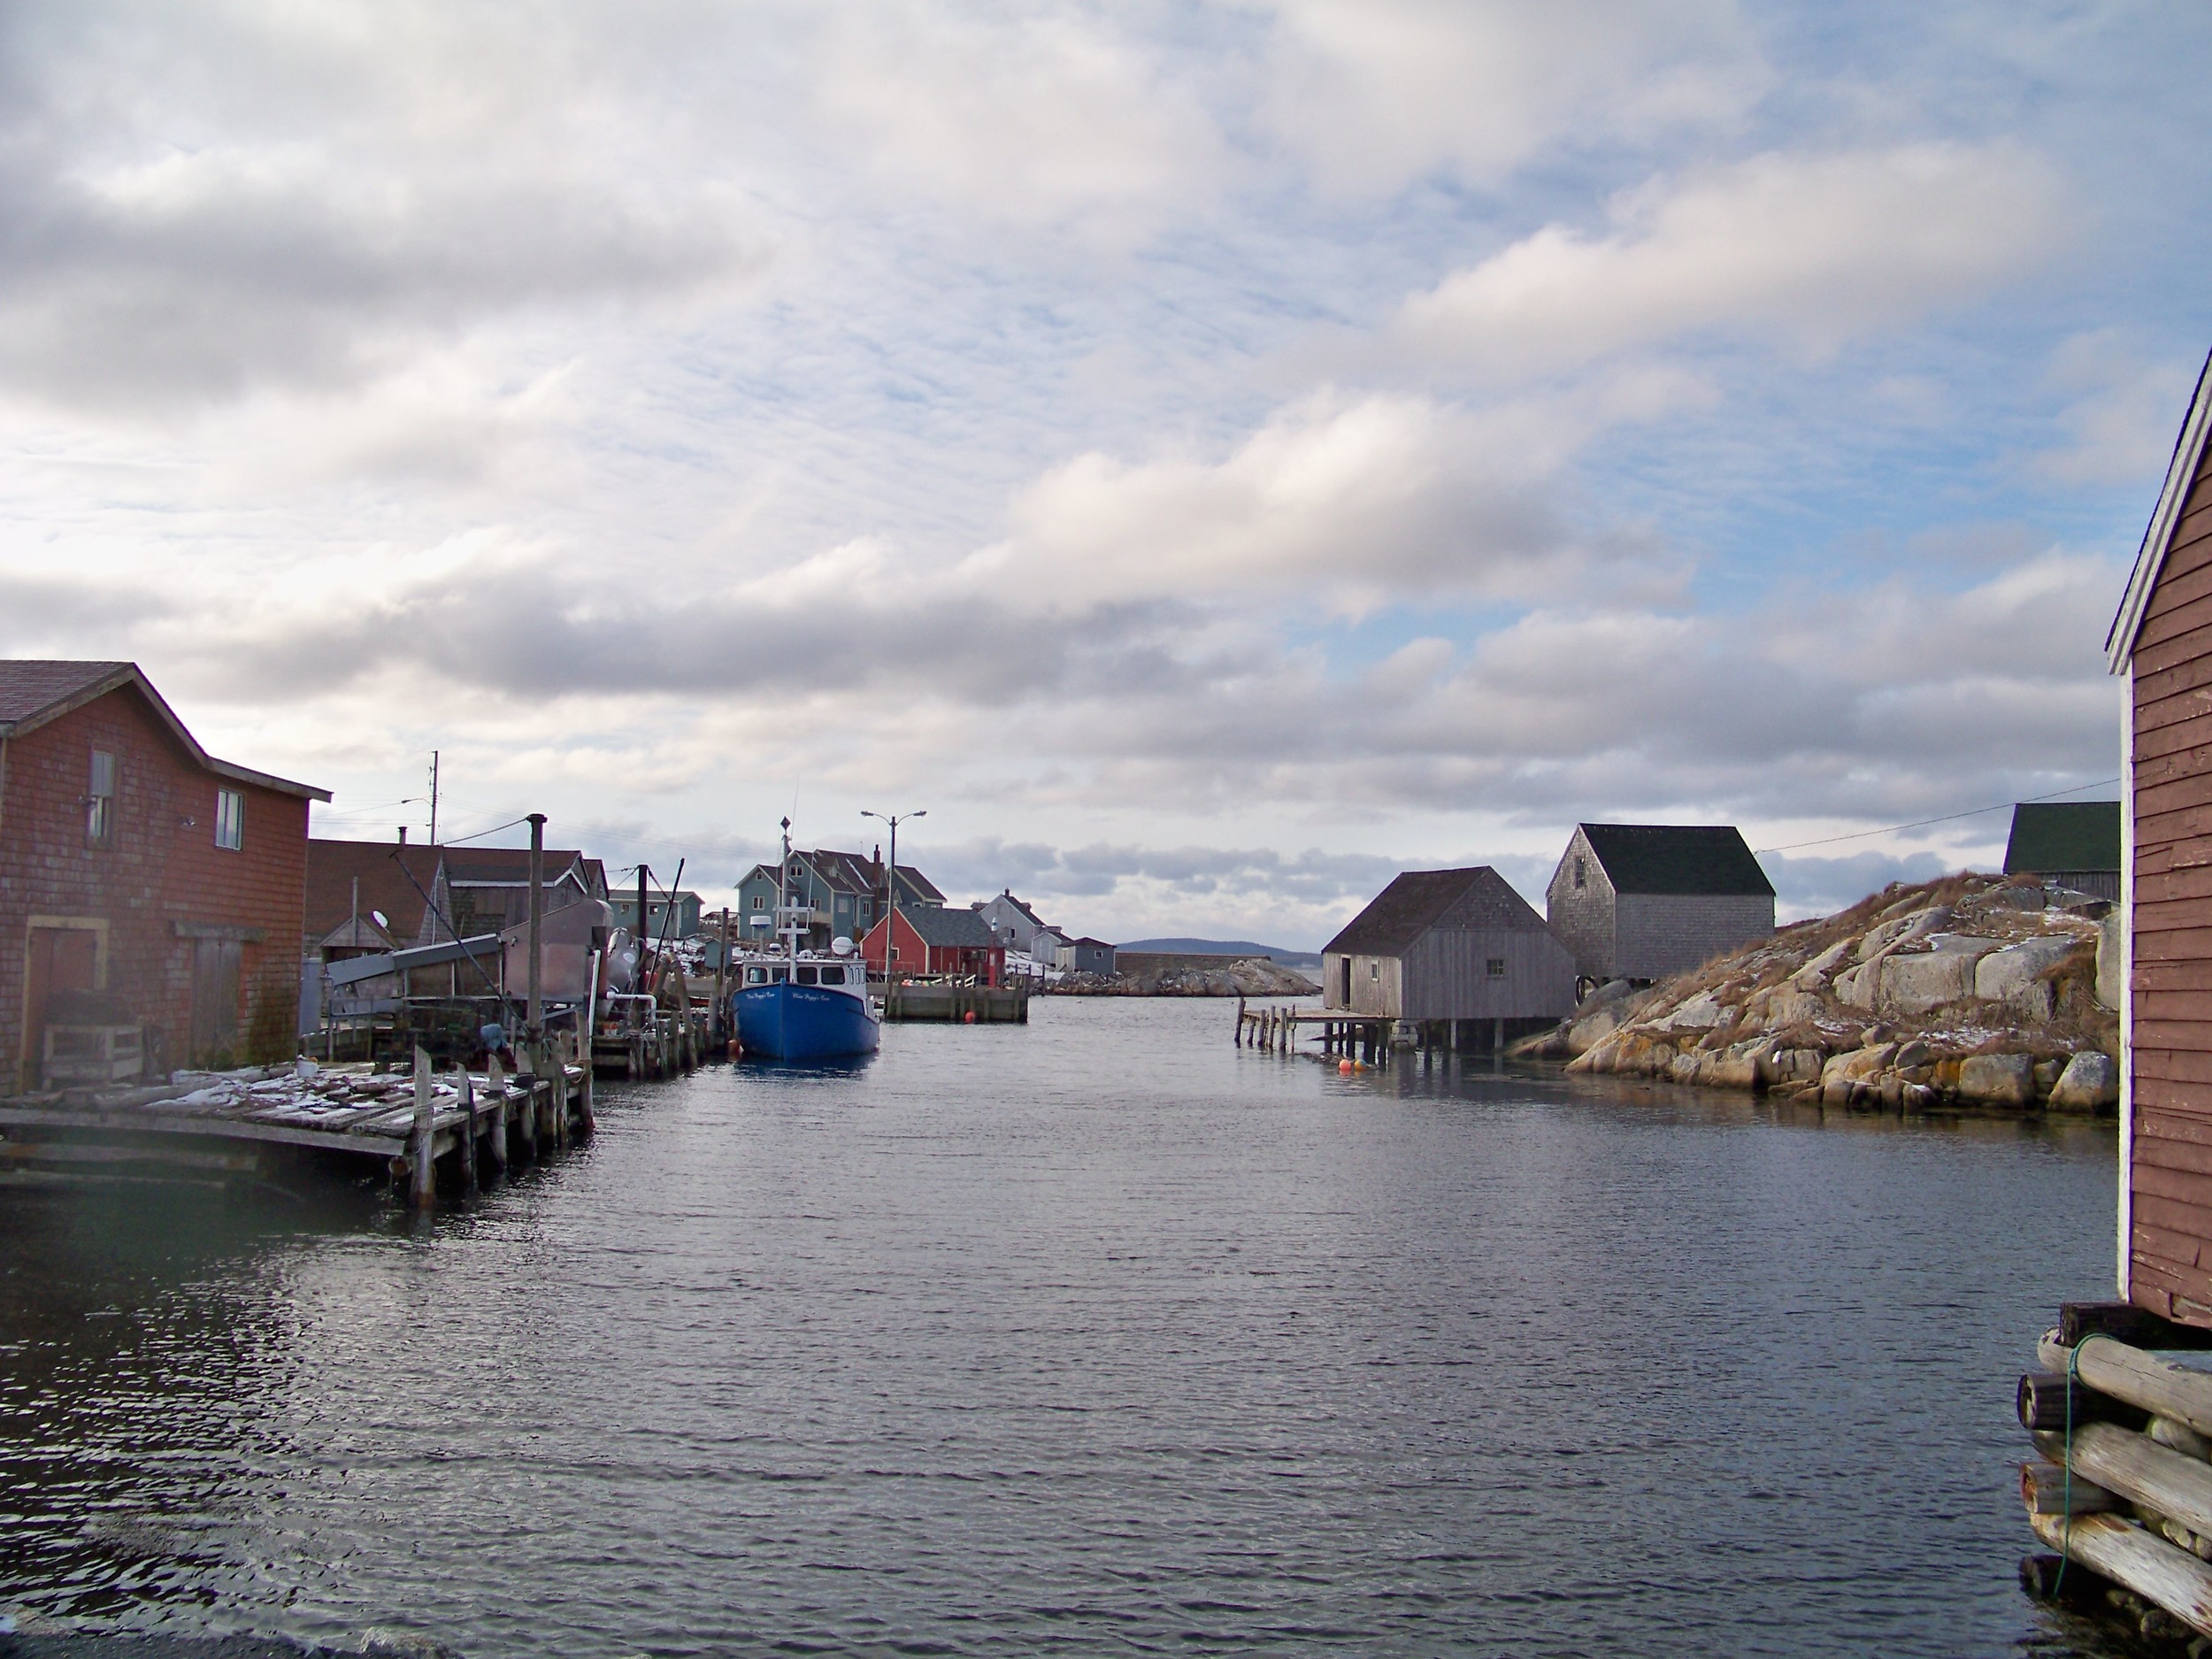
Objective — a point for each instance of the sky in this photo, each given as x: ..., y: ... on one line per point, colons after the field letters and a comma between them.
x: 1206, y: 457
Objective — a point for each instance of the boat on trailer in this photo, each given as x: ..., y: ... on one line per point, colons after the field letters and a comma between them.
x: 795, y: 1004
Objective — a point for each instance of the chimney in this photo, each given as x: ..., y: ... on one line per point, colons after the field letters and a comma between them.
x: 402, y: 835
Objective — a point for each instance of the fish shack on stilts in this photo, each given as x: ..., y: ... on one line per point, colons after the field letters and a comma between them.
x: 2119, y: 1404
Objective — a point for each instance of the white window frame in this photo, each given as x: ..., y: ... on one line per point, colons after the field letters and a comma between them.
x: 101, y: 777
x: 230, y: 820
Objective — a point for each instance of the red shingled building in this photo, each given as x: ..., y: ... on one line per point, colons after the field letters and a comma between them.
x: 143, y: 883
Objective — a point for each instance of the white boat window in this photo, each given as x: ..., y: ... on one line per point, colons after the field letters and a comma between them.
x: 756, y: 976
x: 806, y: 976
x: 833, y: 976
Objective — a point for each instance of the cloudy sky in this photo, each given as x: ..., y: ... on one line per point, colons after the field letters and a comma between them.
x: 1209, y: 456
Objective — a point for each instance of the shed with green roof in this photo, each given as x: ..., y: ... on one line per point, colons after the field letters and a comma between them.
x: 1640, y: 901
x: 2072, y: 844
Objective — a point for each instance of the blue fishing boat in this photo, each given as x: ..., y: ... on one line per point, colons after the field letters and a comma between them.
x: 803, y: 1004
x: 804, y: 1007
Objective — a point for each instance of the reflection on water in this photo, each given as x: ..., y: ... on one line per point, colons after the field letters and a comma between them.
x: 1101, y: 1333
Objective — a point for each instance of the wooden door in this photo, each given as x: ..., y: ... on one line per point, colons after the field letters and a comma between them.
x: 215, y: 964
x: 56, y: 959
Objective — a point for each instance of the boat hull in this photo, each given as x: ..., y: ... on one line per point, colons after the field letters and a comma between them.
x: 804, y: 1022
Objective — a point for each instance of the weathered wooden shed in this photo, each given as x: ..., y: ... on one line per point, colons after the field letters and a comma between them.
x: 2073, y: 843
x: 1449, y: 945
x: 1642, y: 901
x: 2162, y: 642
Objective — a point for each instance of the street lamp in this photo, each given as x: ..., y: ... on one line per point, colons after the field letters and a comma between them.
x: 891, y: 882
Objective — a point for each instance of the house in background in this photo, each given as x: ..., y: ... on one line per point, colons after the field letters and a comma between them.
x: 483, y: 890
x: 1013, y: 923
x: 1450, y: 946
x: 152, y: 898
x: 1045, y: 946
x: 1086, y: 956
x: 686, y: 925
x: 937, y: 942
x: 365, y: 897
x: 843, y: 892
x: 2070, y: 843
x: 1640, y: 901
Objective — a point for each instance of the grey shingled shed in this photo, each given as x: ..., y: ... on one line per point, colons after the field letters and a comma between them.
x: 1642, y: 901
x: 1447, y: 945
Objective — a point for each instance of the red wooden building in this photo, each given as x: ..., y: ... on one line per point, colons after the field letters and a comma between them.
x: 145, y: 887
x: 937, y: 943
x: 2162, y: 641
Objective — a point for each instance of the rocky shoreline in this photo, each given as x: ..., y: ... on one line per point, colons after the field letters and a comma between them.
x: 1985, y: 991
x: 1251, y: 976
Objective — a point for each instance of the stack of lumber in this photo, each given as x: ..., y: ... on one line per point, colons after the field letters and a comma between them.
x: 2120, y: 1408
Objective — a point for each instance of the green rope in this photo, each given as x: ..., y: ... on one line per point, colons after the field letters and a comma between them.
x: 2066, y: 1531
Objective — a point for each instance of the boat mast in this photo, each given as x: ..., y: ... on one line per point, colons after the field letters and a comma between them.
x: 788, y: 923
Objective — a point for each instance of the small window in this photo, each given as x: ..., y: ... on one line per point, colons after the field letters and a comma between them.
x: 1374, y: 970
x: 760, y: 900
x: 1497, y: 967
x: 808, y: 976
x: 230, y: 819
x: 754, y: 976
x: 1582, y: 873
x: 99, y: 813
x: 833, y: 976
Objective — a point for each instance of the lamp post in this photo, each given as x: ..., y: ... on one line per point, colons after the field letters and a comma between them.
x: 891, y: 883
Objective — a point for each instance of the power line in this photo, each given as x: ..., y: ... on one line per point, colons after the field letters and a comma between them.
x: 454, y: 841
x: 1947, y: 818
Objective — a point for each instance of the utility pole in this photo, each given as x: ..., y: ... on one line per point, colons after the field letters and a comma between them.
x: 537, y: 925
x: 891, y: 885
x: 433, y: 797
x: 643, y: 932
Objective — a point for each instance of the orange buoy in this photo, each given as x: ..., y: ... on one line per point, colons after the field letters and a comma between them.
x: 1345, y: 1066
x: 737, y: 1049
x: 970, y: 1017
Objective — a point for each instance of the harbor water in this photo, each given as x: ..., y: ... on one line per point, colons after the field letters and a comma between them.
x: 1093, y: 1335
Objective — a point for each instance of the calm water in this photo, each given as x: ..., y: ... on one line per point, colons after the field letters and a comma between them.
x: 1094, y: 1335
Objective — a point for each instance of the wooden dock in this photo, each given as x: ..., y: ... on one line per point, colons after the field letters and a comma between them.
x: 670, y: 1045
x: 1370, y: 1039
x: 957, y: 1004
x: 428, y: 1131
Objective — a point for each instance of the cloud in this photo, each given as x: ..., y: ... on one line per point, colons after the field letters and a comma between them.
x: 1042, y: 115
x: 1364, y: 498
x: 194, y: 207
x: 1373, y: 92
x: 2121, y: 414
x: 1813, y: 250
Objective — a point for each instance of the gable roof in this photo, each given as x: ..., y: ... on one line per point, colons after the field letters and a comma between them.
x: 2049, y: 836
x: 509, y: 866
x: 1679, y: 858
x: 943, y: 929
x: 1006, y: 897
x: 1417, y: 900
x: 2181, y: 472
x: 382, y: 869
x: 36, y: 690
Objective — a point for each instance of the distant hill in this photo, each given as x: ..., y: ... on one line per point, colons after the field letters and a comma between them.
x: 1228, y: 947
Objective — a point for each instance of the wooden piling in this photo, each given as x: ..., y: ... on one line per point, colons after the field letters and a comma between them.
x: 526, y: 1119
x: 468, y: 1133
x: 496, y: 1141
x: 422, y: 1149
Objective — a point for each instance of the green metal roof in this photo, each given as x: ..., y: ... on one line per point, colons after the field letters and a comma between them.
x: 2054, y: 835
x: 1700, y: 858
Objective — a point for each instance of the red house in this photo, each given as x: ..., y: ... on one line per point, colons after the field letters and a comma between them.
x: 147, y: 890
x: 935, y: 943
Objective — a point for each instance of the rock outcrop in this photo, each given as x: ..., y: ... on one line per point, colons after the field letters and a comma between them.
x: 1250, y: 976
x: 1982, y: 990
